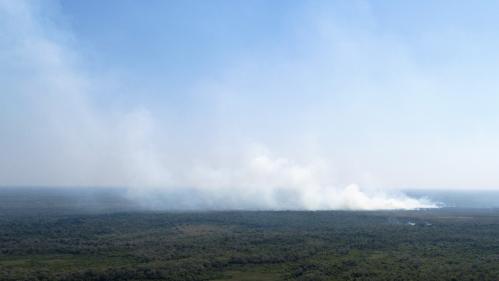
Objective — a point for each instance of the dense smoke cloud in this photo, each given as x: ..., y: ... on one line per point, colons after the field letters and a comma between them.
x: 260, y: 180
x: 54, y: 133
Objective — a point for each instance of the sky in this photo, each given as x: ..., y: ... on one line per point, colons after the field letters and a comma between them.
x: 264, y: 104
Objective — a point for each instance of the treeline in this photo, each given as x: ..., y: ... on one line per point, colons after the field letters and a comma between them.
x: 418, y: 245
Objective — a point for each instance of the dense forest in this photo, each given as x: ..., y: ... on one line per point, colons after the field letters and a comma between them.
x: 443, y: 244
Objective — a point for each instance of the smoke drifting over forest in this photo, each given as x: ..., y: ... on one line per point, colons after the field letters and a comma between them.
x: 222, y: 150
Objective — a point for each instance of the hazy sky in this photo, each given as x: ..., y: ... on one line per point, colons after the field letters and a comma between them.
x: 238, y: 94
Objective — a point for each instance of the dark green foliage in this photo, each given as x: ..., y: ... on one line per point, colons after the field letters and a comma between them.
x: 444, y: 244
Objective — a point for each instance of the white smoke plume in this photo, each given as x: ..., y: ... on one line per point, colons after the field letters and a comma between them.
x: 259, y: 180
x: 54, y: 133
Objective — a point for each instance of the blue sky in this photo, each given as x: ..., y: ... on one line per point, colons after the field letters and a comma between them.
x: 167, y: 46
x: 381, y: 94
